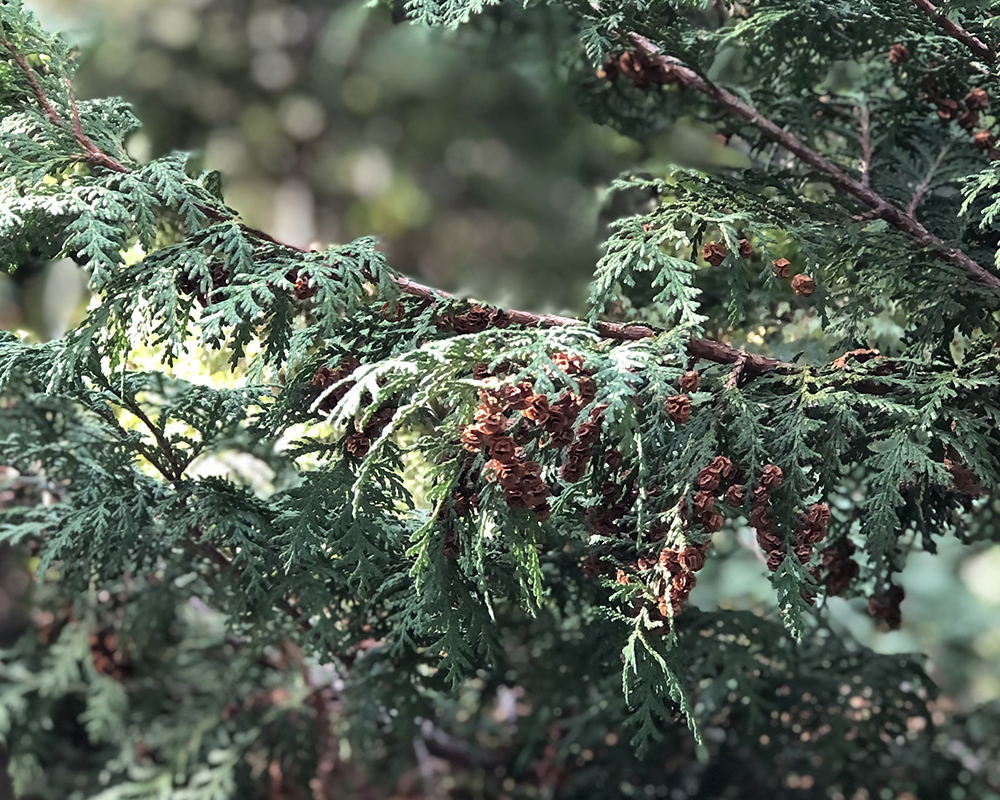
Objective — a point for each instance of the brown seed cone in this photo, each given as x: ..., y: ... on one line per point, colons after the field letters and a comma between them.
x: 679, y: 408
x: 803, y: 552
x: 490, y: 424
x: 571, y: 364
x: 303, y: 290
x: 984, y: 140
x: 714, y: 253
x: 947, y: 109
x: 542, y: 512
x: 682, y: 583
x: 898, y: 54
x: 977, y: 99
x: 563, y: 438
x: 712, y: 520
x: 474, y: 438
x: 692, y: 559
x: 703, y: 501
x: 537, y: 408
x: 775, y: 559
x: 669, y: 560
x: 782, y: 267
x: 803, y: 285
x: 768, y: 541
x: 771, y: 477
x: 613, y: 458
x: 722, y: 466
x: 735, y: 496
x: 588, y: 432
x: 357, y: 444
x: 502, y: 449
x: 690, y: 381
x: 708, y: 481
x: 621, y: 577
x: 746, y: 249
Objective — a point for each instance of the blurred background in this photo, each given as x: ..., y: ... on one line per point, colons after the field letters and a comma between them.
x: 465, y: 153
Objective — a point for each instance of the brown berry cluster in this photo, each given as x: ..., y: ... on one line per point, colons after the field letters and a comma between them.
x: 840, y: 568
x: 638, y: 68
x: 811, y: 530
x: 886, y: 607
x: 109, y: 655
x: 679, y: 568
x: 762, y: 519
x: 476, y: 320
x: 719, y: 480
x: 715, y: 252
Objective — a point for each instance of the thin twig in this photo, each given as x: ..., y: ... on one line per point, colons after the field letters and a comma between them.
x: 956, y: 31
x: 36, y: 87
x: 676, y: 71
x: 866, y: 146
x: 925, y: 184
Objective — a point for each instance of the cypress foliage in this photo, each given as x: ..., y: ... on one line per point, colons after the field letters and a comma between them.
x: 470, y: 507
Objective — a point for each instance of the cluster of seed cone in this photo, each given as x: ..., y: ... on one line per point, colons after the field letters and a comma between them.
x: 359, y: 441
x: 512, y: 415
x: 679, y: 568
x: 761, y: 518
x: 476, y: 320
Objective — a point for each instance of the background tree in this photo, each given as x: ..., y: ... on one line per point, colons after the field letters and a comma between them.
x: 299, y: 526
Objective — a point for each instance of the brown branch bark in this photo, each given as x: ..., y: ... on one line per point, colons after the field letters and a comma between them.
x: 676, y: 71
x: 95, y: 155
x: 956, y: 31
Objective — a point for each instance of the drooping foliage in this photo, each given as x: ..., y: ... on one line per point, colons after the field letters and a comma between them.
x: 452, y: 505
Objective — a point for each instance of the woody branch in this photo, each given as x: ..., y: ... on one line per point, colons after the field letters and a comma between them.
x: 673, y: 70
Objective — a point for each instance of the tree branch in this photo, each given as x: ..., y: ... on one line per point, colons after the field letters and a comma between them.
x: 674, y: 71
x: 955, y: 31
x: 94, y: 155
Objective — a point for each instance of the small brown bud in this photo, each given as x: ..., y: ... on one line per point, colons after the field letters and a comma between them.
x: 803, y: 285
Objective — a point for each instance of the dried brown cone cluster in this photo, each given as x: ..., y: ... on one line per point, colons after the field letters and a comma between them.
x: 718, y: 481
x: 811, y: 530
x: 359, y: 441
x: 679, y: 568
x: 521, y: 480
x: 186, y: 284
x: 636, y: 67
x: 965, y: 113
x: 110, y: 657
x: 886, y: 607
x: 476, y: 320
x: 839, y: 566
x: 325, y: 377
x: 715, y: 252
x: 762, y: 519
